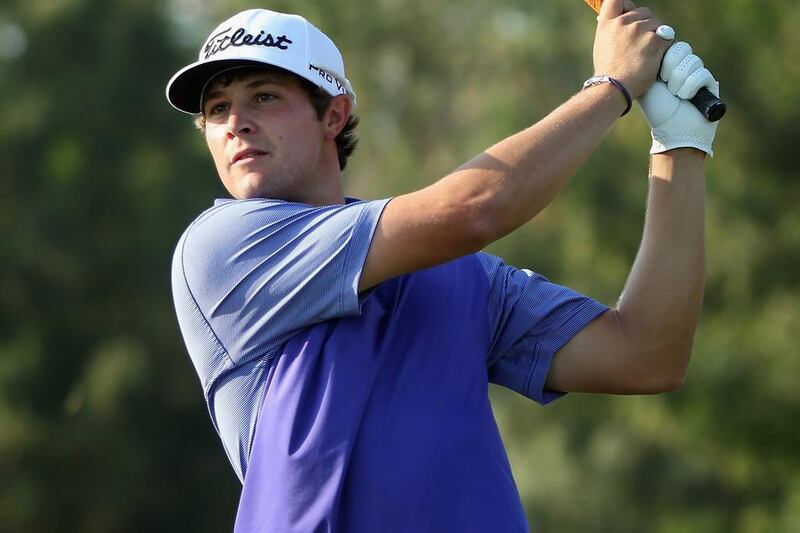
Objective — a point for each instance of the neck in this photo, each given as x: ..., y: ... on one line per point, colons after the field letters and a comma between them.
x: 326, y: 192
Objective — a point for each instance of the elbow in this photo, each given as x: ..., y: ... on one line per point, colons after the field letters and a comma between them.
x: 475, y: 221
x: 670, y: 382
x: 657, y: 361
x: 487, y: 221
x: 482, y: 230
x: 671, y: 374
x: 479, y: 208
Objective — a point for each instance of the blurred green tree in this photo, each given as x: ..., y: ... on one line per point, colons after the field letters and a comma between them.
x: 102, y: 422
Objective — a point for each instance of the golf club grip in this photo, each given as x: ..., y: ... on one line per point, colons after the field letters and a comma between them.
x: 709, y: 105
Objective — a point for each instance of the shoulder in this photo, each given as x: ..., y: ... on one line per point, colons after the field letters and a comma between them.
x: 236, y: 220
x: 231, y: 219
x: 221, y: 233
x: 236, y: 227
x: 261, y: 240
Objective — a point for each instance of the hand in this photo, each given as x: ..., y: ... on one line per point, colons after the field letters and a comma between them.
x: 674, y: 121
x: 626, y: 46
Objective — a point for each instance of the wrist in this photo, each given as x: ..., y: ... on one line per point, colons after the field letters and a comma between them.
x: 607, y: 82
x: 680, y: 164
x: 684, y: 154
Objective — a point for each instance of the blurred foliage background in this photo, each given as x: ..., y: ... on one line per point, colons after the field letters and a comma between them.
x: 102, y: 422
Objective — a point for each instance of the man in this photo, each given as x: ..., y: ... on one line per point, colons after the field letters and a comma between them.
x: 345, y: 347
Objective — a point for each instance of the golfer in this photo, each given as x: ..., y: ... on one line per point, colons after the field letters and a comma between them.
x: 345, y: 347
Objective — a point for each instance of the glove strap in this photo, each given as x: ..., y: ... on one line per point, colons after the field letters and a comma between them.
x: 599, y: 80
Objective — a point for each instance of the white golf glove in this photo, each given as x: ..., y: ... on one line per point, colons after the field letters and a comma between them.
x: 674, y: 121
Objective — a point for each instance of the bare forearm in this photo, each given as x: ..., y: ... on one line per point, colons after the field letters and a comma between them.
x: 511, y: 182
x: 515, y: 179
x: 660, y: 305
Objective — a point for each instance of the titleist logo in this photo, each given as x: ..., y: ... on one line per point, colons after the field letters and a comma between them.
x: 225, y: 39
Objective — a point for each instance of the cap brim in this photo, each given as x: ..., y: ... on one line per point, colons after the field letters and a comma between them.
x: 185, y: 89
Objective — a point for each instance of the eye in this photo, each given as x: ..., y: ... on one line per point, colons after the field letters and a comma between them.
x: 217, y: 109
x: 265, y: 97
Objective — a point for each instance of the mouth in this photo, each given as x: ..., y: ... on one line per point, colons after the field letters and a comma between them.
x: 245, y: 156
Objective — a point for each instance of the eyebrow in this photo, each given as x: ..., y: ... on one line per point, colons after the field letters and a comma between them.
x: 258, y: 82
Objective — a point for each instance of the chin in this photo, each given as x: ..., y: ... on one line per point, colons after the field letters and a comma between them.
x: 253, y: 185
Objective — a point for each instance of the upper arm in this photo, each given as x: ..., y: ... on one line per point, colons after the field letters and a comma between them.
x: 601, y: 358
x: 420, y: 230
x: 530, y: 319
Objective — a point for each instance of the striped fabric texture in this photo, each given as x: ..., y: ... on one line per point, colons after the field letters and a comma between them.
x: 249, y: 275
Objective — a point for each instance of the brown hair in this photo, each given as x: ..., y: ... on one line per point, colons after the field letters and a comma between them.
x: 346, y: 140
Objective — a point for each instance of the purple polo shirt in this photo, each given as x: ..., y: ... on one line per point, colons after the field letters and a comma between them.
x: 361, y: 412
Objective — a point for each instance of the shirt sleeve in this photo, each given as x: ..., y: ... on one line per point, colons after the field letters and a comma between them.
x: 260, y: 270
x: 530, y: 319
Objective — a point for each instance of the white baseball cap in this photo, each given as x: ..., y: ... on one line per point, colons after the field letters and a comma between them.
x: 261, y: 37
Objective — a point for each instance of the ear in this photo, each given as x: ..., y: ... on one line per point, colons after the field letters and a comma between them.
x: 336, y: 116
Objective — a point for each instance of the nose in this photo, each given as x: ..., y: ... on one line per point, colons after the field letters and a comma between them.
x: 239, y: 122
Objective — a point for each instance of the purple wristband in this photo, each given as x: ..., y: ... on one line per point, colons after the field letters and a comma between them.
x: 599, y: 80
